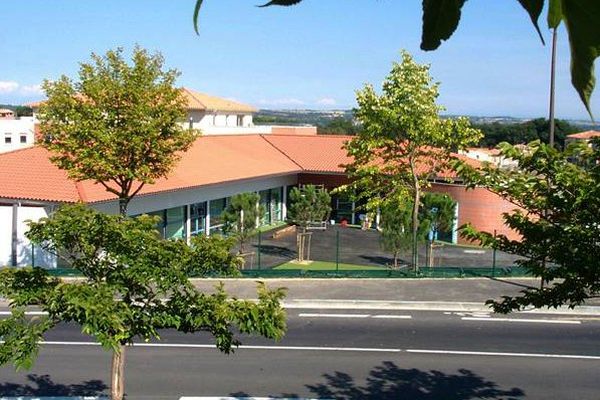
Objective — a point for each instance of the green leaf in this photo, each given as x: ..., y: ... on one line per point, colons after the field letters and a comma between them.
x: 582, y: 18
x: 196, y: 12
x: 440, y: 19
x: 554, y: 13
x: 534, y: 9
x: 281, y: 3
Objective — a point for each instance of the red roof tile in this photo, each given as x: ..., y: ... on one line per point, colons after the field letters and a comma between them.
x: 584, y: 135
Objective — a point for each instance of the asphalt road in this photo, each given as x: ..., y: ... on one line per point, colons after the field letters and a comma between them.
x: 343, y: 354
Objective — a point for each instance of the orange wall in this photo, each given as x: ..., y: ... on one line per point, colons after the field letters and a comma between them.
x: 482, y: 208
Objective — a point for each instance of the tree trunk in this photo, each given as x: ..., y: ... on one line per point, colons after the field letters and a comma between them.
x: 123, y: 202
x: 396, y: 259
x: 117, y: 389
x: 415, y: 225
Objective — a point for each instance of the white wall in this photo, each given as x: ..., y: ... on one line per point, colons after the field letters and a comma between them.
x: 15, y: 128
x: 24, y: 255
x: 161, y: 201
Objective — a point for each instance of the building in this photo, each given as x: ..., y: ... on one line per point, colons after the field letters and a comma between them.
x: 586, y: 137
x: 16, y: 133
x: 5, y: 113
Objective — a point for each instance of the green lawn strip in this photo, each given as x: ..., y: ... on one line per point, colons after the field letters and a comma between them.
x: 326, y: 266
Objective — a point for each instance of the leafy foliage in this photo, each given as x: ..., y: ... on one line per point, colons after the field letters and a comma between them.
x: 338, y: 126
x: 396, y: 234
x: 557, y: 203
x: 118, y: 125
x: 240, y: 217
x: 211, y: 255
x: 437, y: 213
x: 404, y: 142
x: 521, y: 133
x: 308, y: 204
x: 442, y: 17
x: 135, y: 284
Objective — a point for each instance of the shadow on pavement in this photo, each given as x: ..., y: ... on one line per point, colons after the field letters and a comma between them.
x: 388, y: 381
x: 42, y: 385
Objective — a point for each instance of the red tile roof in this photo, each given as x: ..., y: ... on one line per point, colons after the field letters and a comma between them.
x: 584, y: 135
x: 29, y: 174
x: 313, y: 153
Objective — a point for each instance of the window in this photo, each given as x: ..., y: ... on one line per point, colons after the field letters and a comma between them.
x: 7, y: 138
x: 197, y: 218
x: 240, y: 120
x: 172, y: 222
x: 216, y: 209
x: 23, y: 138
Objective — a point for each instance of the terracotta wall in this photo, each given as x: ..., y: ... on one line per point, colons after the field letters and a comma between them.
x: 480, y: 207
x: 293, y: 130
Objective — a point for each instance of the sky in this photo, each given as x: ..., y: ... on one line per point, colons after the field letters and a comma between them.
x: 311, y: 56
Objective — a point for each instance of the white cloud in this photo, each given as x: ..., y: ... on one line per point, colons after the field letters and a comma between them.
x: 282, y: 102
x: 8, y: 86
x: 31, y: 90
x: 326, y: 101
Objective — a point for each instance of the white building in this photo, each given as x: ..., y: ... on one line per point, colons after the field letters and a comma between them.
x: 16, y: 133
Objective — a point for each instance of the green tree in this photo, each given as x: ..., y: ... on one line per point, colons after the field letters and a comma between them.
x: 119, y: 125
x: 441, y: 18
x: 524, y: 132
x: 134, y: 284
x: 338, y: 126
x: 557, y: 202
x: 437, y: 213
x: 211, y: 255
x: 308, y: 204
x: 240, y: 217
x: 404, y: 143
x: 396, y: 234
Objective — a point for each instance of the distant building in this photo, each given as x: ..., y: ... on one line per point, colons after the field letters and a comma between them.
x: 16, y: 133
x: 492, y: 156
x: 5, y: 113
x: 582, y: 136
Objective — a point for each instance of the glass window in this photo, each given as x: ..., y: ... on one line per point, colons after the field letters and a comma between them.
x: 160, y: 225
x: 7, y: 138
x: 198, y: 218
x: 23, y: 138
x: 276, y: 195
x: 175, y: 224
x: 265, y: 203
x: 216, y: 209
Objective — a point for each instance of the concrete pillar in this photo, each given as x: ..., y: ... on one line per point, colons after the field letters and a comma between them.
x: 207, y: 219
x: 14, y: 237
x: 455, y: 225
x: 353, y: 214
x: 284, y: 204
x: 188, y: 223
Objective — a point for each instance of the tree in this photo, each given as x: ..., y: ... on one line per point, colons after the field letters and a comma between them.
x: 338, y: 126
x: 211, y: 255
x: 437, y: 213
x: 240, y: 217
x: 441, y: 18
x: 396, y: 226
x: 404, y: 143
x: 119, y: 125
x: 524, y: 132
x: 308, y: 204
x: 134, y: 284
x: 557, y: 202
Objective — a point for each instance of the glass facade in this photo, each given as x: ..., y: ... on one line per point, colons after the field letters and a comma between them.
x: 172, y: 222
x: 197, y: 218
x: 216, y: 209
x: 270, y: 200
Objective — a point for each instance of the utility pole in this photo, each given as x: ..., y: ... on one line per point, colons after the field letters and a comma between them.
x: 552, y: 88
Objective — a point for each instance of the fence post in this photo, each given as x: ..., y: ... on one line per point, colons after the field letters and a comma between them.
x: 337, y: 250
x: 258, y: 249
x: 494, y: 256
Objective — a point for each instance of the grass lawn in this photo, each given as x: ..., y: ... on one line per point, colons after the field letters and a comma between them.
x: 326, y: 266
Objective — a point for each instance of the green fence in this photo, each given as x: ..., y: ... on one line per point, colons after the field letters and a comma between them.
x: 438, y: 272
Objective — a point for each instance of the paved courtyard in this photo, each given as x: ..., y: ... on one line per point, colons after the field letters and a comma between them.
x: 364, y: 248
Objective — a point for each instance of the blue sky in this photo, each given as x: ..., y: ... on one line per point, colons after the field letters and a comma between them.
x: 314, y: 55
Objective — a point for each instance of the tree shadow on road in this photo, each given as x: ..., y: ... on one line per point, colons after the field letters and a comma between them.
x: 388, y: 381
x: 43, y: 385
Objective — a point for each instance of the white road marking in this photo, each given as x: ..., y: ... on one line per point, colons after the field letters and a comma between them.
x: 26, y: 313
x: 525, y: 320
x: 378, y: 316
x: 392, y: 316
x: 348, y: 349
x: 499, y: 354
x: 318, y: 315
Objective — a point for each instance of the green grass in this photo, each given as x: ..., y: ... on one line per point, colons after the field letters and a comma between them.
x: 326, y: 266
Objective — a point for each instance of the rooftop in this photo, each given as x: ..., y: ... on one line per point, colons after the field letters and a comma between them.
x: 584, y: 135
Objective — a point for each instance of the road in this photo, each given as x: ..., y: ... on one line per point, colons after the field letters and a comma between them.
x: 343, y: 354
